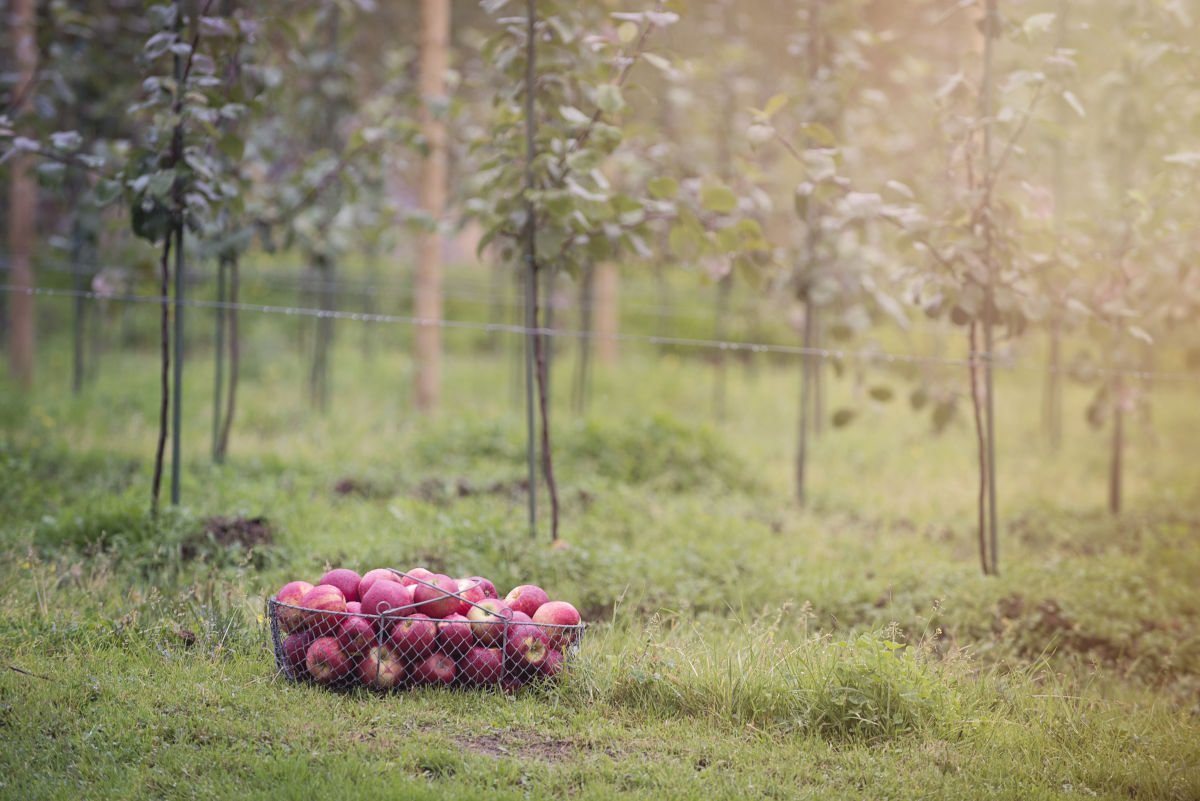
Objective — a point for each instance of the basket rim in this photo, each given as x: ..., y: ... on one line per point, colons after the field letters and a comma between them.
x: 392, y: 615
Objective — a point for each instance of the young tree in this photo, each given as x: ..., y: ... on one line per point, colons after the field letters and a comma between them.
x: 435, y: 35
x: 22, y: 198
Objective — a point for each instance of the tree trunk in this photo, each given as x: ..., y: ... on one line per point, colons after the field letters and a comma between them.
x: 177, y: 397
x: 530, y: 243
x: 218, y: 359
x: 22, y: 205
x: 1052, y: 392
x: 79, y: 323
x: 981, y: 443
x: 607, y: 302
x: 165, y: 371
x: 319, y: 378
x: 234, y: 357
x: 435, y: 35
x: 178, y: 200
x: 1118, y: 446
x: 720, y: 333
x: 992, y: 27
x: 806, y: 381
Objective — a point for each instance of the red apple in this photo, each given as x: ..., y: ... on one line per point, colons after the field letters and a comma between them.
x: 526, y: 598
x: 557, y: 615
x: 387, y: 597
x: 488, y: 621
x: 416, y: 576
x: 454, y: 635
x: 414, y: 636
x: 526, y: 648
x: 345, y: 580
x: 482, y: 665
x: 292, y: 592
x: 435, y: 669
x: 470, y: 593
x: 326, y: 661
x: 380, y: 668
x: 295, y: 649
x: 520, y: 617
x: 371, y: 576
x: 438, y: 600
x: 489, y: 589
x: 356, y: 634
x: 553, y: 663
x: 512, y: 682
x: 354, y: 607
x: 317, y: 602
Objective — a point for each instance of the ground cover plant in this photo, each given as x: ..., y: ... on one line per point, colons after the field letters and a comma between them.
x: 738, y: 645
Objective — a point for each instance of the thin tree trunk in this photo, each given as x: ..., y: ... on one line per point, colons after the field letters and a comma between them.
x: 234, y: 358
x: 544, y: 405
x: 992, y: 24
x: 177, y: 397
x: 366, y: 341
x: 178, y: 199
x: 976, y: 407
x: 721, y: 333
x: 806, y: 381
x: 1052, y: 404
x: 818, y: 379
x: 79, y: 324
x: 22, y: 201
x: 531, y: 316
x: 165, y: 392
x: 219, y: 359
x: 1052, y: 392
x: 435, y: 35
x: 319, y: 379
x: 1118, y: 446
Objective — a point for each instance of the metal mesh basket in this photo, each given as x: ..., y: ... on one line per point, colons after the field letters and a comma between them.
x: 403, y: 648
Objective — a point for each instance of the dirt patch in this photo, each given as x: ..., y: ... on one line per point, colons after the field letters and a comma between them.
x: 226, y: 532
x: 361, y: 488
x: 521, y: 747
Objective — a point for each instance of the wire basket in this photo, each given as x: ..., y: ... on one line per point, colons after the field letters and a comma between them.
x: 402, y: 648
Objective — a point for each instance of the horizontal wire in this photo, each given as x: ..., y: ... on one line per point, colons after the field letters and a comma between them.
x: 978, y: 358
x: 468, y: 291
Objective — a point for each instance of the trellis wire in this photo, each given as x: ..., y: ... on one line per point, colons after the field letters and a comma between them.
x: 866, y: 356
x: 466, y: 291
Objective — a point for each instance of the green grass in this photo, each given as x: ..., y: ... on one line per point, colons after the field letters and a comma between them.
x: 739, y: 647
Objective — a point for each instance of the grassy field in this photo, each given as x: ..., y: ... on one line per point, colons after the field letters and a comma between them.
x: 739, y: 647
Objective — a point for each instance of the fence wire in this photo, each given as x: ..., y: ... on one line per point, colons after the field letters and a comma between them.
x: 869, y: 356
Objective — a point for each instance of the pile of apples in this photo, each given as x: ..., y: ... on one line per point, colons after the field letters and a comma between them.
x: 388, y: 629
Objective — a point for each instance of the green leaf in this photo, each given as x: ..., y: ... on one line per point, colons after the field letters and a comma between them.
x: 1074, y: 103
x: 843, y: 417
x: 774, y: 105
x: 573, y: 115
x: 664, y: 187
x: 1039, y: 23
x: 718, y: 198
x: 609, y: 98
x: 232, y: 146
x: 105, y: 191
x: 881, y: 393
x: 819, y: 134
x: 918, y: 399
x: 943, y: 413
x: 627, y: 32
